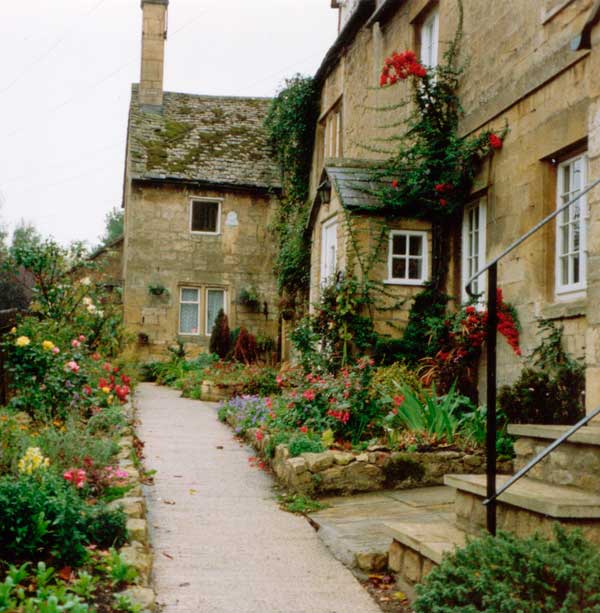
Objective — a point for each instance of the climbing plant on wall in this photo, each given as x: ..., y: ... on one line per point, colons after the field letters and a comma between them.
x: 291, y: 124
x: 430, y: 176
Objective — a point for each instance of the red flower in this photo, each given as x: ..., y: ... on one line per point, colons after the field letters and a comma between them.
x: 308, y: 395
x: 443, y: 187
x: 395, y: 183
x: 398, y: 400
x: 443, y: 202
x: 303, y: 429
x: 259, y: 435
x: 495, y: 141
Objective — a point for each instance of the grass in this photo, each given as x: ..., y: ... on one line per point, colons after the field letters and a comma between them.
x: 299, y: 504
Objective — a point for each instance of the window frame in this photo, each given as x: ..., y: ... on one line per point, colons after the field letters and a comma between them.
x: 197, y: 303
x: 219, y: 202
x: 211, y: 288
x: 481, y: 205
x: 431, y: 26
x: 424, y: 235
x: 327, y: 225
x: 571, y: 290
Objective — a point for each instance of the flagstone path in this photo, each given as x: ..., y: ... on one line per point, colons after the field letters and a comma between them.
x: 221, y: 543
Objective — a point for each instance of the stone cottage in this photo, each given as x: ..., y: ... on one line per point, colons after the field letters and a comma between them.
x: 532, y: 70
x: 200, y: 192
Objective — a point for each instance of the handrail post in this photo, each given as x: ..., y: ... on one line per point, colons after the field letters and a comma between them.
x: 492, y: 325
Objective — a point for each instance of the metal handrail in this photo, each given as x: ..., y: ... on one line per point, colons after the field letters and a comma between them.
x: 491, y: 330
x: 547, y: 451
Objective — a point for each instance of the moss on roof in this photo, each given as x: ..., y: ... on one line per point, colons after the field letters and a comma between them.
x: 211, y: 139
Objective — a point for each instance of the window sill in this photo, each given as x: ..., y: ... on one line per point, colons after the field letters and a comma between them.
x: 569, y: 309
x: 205, y: 233
x: 410, y: 282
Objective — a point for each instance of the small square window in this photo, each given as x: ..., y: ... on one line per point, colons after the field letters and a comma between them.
x: 205, y: 216
x: 407, y: 258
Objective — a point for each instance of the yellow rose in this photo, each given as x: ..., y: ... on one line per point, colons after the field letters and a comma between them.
x: 13, y: 330
x: 48, y: 345
x: 106, y: 390
x: 22, y: 341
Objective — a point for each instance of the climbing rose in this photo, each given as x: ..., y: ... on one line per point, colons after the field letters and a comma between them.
x: 495, y: 141
x: 399, y: 66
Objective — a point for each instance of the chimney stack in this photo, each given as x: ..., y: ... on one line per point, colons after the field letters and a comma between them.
x: 154, y: 34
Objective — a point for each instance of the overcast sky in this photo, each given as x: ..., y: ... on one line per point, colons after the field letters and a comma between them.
x: 67, y: 69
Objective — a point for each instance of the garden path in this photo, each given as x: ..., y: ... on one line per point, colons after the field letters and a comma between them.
x: 221, y: 543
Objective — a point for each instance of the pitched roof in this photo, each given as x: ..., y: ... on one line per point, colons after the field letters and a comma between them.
x: 206, y: 139
x: 355, y: 184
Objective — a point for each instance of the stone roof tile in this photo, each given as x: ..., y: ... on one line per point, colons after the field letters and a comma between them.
x: 209, y: 139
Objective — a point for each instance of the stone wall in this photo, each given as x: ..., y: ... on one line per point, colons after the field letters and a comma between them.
x: 161, y: 250
x: 519, y: 72
x: 339, y: 472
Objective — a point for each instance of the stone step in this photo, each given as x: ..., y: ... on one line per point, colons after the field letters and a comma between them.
x: 548, y: 499
x: 576, y: 462
x: 419, y: 545
x: 587, y: 435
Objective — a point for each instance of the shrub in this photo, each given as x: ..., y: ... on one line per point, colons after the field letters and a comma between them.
x: 106, y: 528
x: 246, y: 350
x: 302, y: 443
x: 553, y: 391
x: 43, y: 515
x: 386, y: 379
x: 220, y: 336
x: 507, y: 574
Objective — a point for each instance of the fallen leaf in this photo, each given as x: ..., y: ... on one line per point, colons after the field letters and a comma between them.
x: 65, y: 573
x: 171, y: 502
x: 219, y: 446
x: 184, y: 584
x: 192, y: 492
x: 168, y: 555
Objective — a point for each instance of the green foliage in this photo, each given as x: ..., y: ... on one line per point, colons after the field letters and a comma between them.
x: 123, y: 603
x: 44, y: 516
x: 387, y: 378
x: 303, y: 443
x: 423, y: 332
x: 106, y: 528
x: 438, y: 416
x: 553, y: 391
x: 220, y: 336
x: 508, y: 574
x: 299, y: 504
x: 119, y: 571
x: 114, y: 222
x: 473, y: 427
x: 340, y: 328
x: 290, y: 125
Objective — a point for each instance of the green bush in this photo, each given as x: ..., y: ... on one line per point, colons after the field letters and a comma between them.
x: 220, y: 336
x: 507, y: 574
x: 43, y: 515
x: 106, y: 528
x: 552, y: 392
x: 302, y: 443
x: 386, y: 379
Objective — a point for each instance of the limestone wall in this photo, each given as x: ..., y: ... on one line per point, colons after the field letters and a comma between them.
x: 161, y: 250
x: 519, y: 72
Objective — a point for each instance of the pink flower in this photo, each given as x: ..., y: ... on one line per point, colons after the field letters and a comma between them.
x: 308, y: 395
x: 73, y: 366
x: 398, y: 400
x: 268, y: 403
x: 55, y: 350
x: 75, y: 343
x: 76, y: 476
x: 82, y: 338
x: 106, y: 366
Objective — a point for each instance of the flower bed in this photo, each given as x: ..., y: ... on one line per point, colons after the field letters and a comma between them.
x: 335, y: 471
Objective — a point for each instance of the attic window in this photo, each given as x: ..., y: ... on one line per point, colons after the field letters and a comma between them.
x: 205, y: 216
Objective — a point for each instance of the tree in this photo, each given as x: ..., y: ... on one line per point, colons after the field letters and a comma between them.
x: 113, y: 230
x: 25, y: 236
x: 15, y: 284
x: 220, y: 338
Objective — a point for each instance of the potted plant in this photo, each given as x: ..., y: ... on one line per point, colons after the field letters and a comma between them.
x: 156, y: 289
x: 248, y: 297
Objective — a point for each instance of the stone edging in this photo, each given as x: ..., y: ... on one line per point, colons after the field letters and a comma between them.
x: 340, y: 472
x: 137, y: 552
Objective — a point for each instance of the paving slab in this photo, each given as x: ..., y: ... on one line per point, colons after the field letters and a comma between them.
x: 221, y: 543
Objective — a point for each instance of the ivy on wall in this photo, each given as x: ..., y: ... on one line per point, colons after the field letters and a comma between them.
x: 291, y: 124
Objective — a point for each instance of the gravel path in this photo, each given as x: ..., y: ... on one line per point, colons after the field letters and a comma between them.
x: 221, y: 543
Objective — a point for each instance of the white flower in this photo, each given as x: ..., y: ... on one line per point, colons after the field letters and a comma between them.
x: 86, y: 281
